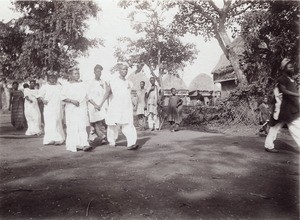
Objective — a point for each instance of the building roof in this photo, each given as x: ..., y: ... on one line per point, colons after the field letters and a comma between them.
x: 174, y: 81
x: 202, y: 82
x: 223, y: 71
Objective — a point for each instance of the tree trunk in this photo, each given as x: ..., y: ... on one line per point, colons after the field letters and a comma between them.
x: 225, y: 44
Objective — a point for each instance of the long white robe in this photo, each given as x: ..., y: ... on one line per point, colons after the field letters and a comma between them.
x: 52, y: 113
x: 120, y: 109
x: 32, y: 112
x: 76, y: 117
x: 95, y: 91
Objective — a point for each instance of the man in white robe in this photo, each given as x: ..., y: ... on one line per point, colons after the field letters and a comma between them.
x: 141, y: 105
x: 75, y: 97
x: 152, y: 99
x: 96, y: 90
x: 50, y: 94
x: 120, y: 109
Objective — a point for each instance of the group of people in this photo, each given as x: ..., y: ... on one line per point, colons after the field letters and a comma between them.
x: 96, y: 108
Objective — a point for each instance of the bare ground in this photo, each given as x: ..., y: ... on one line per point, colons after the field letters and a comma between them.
x: 182, y: 175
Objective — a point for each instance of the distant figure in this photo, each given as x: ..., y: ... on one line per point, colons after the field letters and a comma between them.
x: 96, y: 89
x: 16, y: 104
x: 152, y: 102
x: 75, y: 97
x: 264, y: 115
x: 289, y: 108
x: 50, y: 95
x: 120, y: 109
x: 32, y: 111
x: 174, y: 110
x: 141, y: 105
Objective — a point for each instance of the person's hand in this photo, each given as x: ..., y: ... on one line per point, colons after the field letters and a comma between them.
x: 30, y: 100
x: 280, y: 96
x: 97, y: 107
x: 74, y: 102
x: 45, y: 102
x: 145, y: 108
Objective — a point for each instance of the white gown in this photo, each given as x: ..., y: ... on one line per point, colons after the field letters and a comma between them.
x: 52, y: 113
x: 120, y: 109
x: 96, y: 90
x: 76, y: 117
x: 32, y: 112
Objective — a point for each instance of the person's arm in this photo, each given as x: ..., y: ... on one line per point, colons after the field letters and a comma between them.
x: 72, y: 101
x: 180, y: 101
x: 106, y: 95
x: 284, y: 90
x: 97, y: 107
x: 28, y: 99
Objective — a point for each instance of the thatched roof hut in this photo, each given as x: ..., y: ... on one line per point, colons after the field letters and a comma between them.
x: 202, y: 82
x: 223, y: 71
x: 173, y: 81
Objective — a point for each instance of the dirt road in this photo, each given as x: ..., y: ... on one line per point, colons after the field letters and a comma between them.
x: 181, y: 175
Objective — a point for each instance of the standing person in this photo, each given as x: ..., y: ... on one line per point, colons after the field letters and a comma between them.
x: 120, y: 110
x: 152, y: 99
x: 96, y: 90
x: 75, y: 97
x: 264, y: 115
x: 289, y: 109
x: 32, y: 111
x: 32, y: 84
x: 141, y: 105
x: 16, y: 105
x: 50, y: 95
x: 174, y: 110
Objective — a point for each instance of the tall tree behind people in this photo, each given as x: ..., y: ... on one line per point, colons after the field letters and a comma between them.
x: 49, y: 36
x: 157, y: 47
x: 206, y: 18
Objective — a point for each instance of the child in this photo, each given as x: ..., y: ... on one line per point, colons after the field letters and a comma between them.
x: 75, y: 97
x: 50, y: 95
x: 264, y: 115
x: 174, y: 110
x: 32, y: 111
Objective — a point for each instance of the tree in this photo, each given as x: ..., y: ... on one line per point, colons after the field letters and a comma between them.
x: 157, y: 47
x: 270, y: 35
x: 52, y: 35
x: 207, y: 19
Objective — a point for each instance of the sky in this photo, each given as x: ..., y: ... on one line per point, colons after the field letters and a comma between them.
x: 112, y: 23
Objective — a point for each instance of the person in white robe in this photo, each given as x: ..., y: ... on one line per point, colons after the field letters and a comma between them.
x: 120, y: 109
x: 96, y: 90
x: 141, y: 105
x: 50, y: 94
x: 32, y: 111
x: 75, y: 97
x: 152, y: 99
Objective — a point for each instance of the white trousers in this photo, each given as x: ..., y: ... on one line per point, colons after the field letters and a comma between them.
x: 153, y: 120
x: 294, y: 129
x: 127, y: 129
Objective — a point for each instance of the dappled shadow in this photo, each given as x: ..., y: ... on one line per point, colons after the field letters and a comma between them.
x: 180, y: 175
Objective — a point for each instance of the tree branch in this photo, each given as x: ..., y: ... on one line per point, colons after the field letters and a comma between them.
x: 215, y: 6
x: 203, y: 12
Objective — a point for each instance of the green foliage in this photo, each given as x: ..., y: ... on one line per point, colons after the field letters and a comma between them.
x: 270, y: 35
x: 51, y: 37
x: 157, y: 47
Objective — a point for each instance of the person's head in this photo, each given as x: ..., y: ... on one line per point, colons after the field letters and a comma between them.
x: 265, y: 100
x: 52, y: 78
x: 287, y: 66
x: 173, y: 91
x: 123, y: 69
x: 74, y: 74
x: 32, y: 84
x: 15, y: 85
x: 152, y: 81
x: 97, y: 71
x: 25, y: 85
x: 142, y: 84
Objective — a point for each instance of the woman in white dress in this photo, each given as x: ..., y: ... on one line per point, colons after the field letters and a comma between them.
x: 32, y: 111
x: 50, y: 94
x: 75, y: 97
